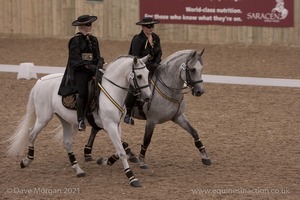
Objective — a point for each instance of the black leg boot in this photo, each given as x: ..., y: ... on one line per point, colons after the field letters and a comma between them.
x: 130, y: 100
x: 80, y: 113
x: 128, y: 119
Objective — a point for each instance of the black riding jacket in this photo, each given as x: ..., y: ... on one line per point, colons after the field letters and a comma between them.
x: 140, y: 49
x: 84, y: 54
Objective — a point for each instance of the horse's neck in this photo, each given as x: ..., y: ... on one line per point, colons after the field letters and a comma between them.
x: 117, y: 93
x: 168, y: 77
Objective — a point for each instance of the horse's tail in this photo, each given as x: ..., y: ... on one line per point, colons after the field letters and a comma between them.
x: 19, y: 140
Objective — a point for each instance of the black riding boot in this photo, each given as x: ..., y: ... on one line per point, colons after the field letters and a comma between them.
x: 130, y: 100
x: 80, y: 106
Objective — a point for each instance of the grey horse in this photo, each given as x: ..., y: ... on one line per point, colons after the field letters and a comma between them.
x: 179, y: 71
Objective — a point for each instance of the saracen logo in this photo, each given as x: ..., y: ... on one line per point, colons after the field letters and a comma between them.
x: 275, y: 15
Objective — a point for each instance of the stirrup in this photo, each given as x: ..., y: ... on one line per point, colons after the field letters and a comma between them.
x: 81, y: 125
x: 128, y: 120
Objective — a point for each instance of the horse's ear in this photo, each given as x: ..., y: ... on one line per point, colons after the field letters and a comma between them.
x: 193, y: 54
x: 201, y: 53
x: 144, y: 59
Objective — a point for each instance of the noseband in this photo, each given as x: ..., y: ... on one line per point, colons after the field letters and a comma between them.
x: 137, y: 89
x: 189, y: 82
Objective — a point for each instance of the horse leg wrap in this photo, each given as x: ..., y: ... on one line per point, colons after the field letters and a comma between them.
x: 112, y: 160
x: 143, y: 151
x: 205, y: 158
x: 130, y: 175
x: 131, y: 157
x: 30, y: 154
x: 125, y: 144
x: 72, y: 158
x: 199, y: 144
x: 126, y: 148
x: 87, y: 151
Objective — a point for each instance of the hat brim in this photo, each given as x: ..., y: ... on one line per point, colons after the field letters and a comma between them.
x: 91, y: 20
x: 141, y: 23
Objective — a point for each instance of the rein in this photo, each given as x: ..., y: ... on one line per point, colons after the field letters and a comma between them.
x: 189, y: 82
x: 111, y: 99
x: 163, y: 95
x: 171, y: 88
x: 123, y: 88
x: 136, y: 90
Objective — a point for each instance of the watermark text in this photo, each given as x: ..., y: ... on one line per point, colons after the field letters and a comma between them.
x: 43, y: 190
x: 221, y: 191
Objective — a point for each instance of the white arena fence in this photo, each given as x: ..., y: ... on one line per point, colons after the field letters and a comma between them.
x: 29, y: 71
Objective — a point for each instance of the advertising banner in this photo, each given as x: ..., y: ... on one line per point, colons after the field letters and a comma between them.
x: 269, y: 13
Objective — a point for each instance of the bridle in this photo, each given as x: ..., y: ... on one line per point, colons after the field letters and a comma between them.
x: 189, y: 81
x: 135, y: 89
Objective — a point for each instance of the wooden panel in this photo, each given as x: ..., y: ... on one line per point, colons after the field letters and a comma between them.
x: 116, y: 21
x: 4, y: 16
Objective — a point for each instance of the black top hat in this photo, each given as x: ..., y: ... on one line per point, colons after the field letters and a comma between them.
x: 147, y: 20
x: 84, y: 19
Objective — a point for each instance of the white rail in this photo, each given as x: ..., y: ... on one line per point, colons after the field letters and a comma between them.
x: 29, y: 70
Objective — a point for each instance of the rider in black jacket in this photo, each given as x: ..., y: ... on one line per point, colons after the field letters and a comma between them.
x: 84, y: 55
x: 142, y: 44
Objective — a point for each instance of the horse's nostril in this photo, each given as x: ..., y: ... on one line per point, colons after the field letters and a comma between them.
x: 198, y: 93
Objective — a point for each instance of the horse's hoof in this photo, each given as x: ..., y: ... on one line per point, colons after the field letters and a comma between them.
x: 133, y: 159
x: 144, y: 166
x: 206, y: 161
x: 80, y: 174
x: 102, y: 161
x: 22, y: 164
x: 88, y: 159
x: 135, y: 183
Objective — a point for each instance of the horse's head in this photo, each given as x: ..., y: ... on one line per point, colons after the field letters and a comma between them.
x: 139, y: 78
x: 192, y: 72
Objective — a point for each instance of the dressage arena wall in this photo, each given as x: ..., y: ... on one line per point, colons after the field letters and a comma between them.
x: 117, y: 20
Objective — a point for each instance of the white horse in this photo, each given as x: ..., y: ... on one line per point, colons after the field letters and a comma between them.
x: 44, y: 102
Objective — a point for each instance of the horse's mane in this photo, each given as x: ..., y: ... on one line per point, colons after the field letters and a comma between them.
x: 124, y: 56
x: 119, y: 57
x: 176, y: 55
x: 168, y: 64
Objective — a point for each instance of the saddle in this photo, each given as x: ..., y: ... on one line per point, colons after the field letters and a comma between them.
x: 92, y: 100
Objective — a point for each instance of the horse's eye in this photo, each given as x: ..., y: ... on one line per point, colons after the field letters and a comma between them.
x: 192, y: 69
x: 139, y: 76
